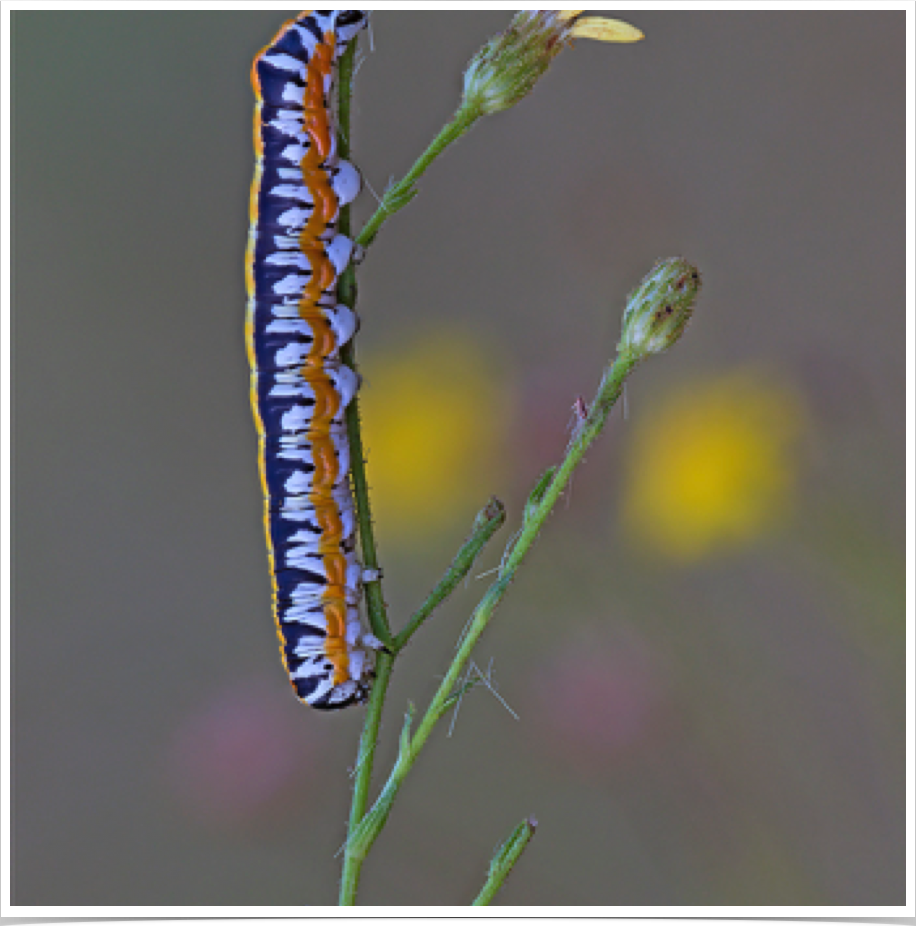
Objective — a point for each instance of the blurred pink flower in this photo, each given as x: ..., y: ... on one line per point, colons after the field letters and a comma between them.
x: 238, y: 757
x: 603, y: 699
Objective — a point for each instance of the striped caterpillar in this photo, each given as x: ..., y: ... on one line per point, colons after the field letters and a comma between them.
x: 299, y: 387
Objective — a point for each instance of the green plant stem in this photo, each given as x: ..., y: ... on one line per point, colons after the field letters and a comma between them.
x: 505, y: 860
x: 485, y: 526
x: 400, y: 195
x: 487, y: 523
x: 374, y: 598
x: 395, y: 200
x: 363, y: 837
x: 349, y: 882
x: 365, y: 826
x: 537, y: 513
x: 538, y: 509
x: 348, y: 293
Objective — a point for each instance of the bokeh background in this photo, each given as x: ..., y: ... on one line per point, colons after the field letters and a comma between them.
x: 704, y: 659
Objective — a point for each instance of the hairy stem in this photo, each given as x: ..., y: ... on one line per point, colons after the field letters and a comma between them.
x: 374, y: 599
x: 504, y: 861
x: 487, y: 523
x: 485, y: 526
x: 540, y: 508
x: 349, y: 882
x: 348, y: 293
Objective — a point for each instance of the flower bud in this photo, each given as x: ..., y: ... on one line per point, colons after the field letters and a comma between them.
x: 660, y: 308
x: 506, y: 69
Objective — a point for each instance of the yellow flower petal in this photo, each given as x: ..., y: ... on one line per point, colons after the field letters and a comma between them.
x: 570, y: 14
x: 605, y: 30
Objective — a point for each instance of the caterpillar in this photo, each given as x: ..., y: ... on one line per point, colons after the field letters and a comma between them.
x: 300, y: 389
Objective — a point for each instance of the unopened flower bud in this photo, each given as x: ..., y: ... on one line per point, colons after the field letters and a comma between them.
x: 506, y: 69
x: 660, y: 308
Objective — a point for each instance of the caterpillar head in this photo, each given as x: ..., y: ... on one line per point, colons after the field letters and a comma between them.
x: 341, y: 696
x: 348, y: 23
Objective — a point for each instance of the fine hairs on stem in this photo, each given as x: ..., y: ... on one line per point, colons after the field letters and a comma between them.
x: 656, y: 315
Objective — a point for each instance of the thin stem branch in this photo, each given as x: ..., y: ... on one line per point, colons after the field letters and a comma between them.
x: 488, y: 521
x: 401, y: 194
x: 540, y: 508
x: 505, y: 860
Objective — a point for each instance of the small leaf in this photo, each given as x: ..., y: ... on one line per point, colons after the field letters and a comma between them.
x: 540, y: 490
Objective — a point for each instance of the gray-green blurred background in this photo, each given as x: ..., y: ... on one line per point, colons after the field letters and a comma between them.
x: 706, y: 652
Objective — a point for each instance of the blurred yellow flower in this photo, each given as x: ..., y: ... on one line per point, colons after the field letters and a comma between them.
x: 713, y: 466
x: 432, y: 417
